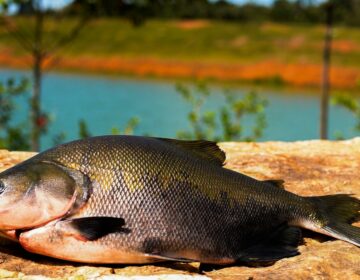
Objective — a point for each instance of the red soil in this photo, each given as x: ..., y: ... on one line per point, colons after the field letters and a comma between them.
x: 300, y: 74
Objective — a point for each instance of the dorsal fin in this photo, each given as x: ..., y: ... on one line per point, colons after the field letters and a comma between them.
x: 277, y: 183
x: 204, y: 149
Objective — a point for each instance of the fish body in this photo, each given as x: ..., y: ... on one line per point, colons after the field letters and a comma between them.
x: 128, y: 199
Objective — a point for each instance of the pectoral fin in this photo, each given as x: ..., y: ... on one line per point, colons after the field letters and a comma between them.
x: 92, y: 228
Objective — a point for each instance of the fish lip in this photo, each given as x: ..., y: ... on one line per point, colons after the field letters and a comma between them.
x: 20, y: 231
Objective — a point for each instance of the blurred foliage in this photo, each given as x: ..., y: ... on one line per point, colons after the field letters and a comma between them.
x: 224, y: 42
x: 346, y: 11
x: 84, y: 131
x: 12, y: 136
x: 129, y: 129
x: 59, y: 138
x: 351, y: 105
x: 229, y: 118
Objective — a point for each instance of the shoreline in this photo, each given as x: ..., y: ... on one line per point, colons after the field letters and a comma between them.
x: 267, y: 73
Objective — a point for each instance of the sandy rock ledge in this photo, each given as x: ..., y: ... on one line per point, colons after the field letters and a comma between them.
x: 308, y: 168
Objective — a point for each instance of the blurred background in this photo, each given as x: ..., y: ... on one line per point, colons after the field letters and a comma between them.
x: 232, y: 70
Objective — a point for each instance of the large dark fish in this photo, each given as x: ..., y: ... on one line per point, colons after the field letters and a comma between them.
x: 127, y: 199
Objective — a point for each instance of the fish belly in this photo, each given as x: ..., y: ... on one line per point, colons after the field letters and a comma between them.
x: 57, y: 241
x: 51, y: 240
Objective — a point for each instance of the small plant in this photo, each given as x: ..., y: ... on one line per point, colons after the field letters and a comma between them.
x: 204, y: 124
x: 12, y: 136
x: 129, y: 129
x: 350, y: 104
x: 84, y: 131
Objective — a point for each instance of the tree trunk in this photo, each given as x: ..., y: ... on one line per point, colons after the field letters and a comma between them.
x: 35, y: 103
x: 324, y: 106
x: 37, y: 75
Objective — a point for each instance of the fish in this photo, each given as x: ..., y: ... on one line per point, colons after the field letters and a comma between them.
x: 135, y: 200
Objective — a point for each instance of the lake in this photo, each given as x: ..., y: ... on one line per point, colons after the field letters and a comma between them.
x: 107, y: 102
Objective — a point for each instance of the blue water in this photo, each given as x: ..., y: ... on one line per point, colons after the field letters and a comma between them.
x: 107, y: 102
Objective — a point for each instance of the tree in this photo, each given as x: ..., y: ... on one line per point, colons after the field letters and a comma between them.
x: 324, y: 105
x: 31, y: 40
x: 136, y: 11
x: 346, y: 11
x: 282, y: 11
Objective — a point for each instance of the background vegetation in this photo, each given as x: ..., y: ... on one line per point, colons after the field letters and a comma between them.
x: 214, y: 41
x: 304, y: 11
x: 211, y: 34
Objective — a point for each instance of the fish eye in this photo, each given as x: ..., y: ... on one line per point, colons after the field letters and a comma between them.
x: 2, y: 187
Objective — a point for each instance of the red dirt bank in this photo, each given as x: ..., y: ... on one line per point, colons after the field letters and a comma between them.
x: 300, y: 75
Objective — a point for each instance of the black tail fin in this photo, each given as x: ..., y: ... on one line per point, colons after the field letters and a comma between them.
x: 334, y: 216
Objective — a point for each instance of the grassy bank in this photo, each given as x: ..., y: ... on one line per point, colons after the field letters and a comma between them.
x: 267, y: 52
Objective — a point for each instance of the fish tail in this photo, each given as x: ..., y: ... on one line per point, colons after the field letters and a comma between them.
x: 333, y: 216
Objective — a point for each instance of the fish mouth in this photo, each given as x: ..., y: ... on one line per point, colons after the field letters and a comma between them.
x: 14, y: 234
x: 9, y: 235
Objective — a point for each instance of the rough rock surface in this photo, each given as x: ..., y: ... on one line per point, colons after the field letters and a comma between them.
x: 308, y: 168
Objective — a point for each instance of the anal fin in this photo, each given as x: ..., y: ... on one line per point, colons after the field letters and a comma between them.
x: 168, y: 258
x: 156, y: 248
x: 282, y: 244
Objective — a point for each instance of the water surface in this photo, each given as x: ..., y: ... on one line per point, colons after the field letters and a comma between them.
x: 107, y: 102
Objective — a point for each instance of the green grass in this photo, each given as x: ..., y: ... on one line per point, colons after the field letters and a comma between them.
x: 217, y: 41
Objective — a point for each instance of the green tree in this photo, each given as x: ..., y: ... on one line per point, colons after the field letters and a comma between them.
x: 136, y: 11
x: 229, y: 118
x: 346, y: 11
x: 12, y: 136
x: 282, y: 10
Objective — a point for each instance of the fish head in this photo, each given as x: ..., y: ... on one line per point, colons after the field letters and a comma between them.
x: 34, y: 193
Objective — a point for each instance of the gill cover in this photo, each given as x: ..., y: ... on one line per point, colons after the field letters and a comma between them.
x: 34, y: 193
